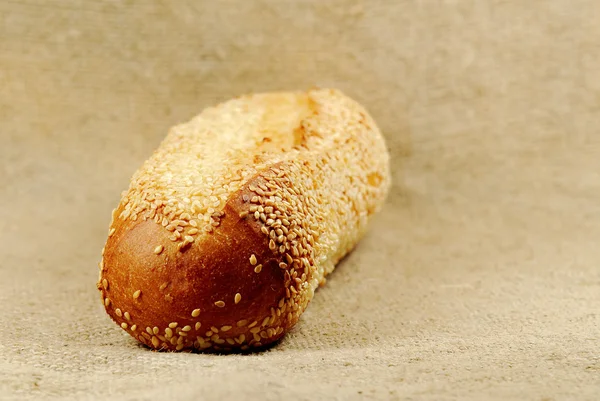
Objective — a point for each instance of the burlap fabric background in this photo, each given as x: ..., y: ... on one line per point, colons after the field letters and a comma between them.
x: 481, y: 278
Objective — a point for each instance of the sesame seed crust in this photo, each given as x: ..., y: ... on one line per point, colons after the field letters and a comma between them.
x: 250, y: 220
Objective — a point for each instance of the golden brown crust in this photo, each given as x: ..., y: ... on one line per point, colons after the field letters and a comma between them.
x: 174, y: 284
x: 204, y: 254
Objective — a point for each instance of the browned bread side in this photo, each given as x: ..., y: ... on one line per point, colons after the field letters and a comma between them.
x: 227, y: 230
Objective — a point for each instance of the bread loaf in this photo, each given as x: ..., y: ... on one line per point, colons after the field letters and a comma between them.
x: 229, y: 227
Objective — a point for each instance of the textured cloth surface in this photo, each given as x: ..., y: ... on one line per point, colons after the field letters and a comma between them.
x: 479, y: 280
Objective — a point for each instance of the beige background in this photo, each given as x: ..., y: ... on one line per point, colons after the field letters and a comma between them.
x: 481, y: 278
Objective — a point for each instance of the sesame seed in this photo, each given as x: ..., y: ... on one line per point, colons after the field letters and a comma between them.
x: 230, y: 341
x: 124, y: 325
x: 158, y: 249
x: 163, y: 286
x: 252, y: 259
x: 186, y: 328
x: 208, y: 333
x: 214, y: 329
x: 106, y: 302
x: 136, y: 294
x: 105, y: 283
x: 225, y: 328
x: 256, y: 338
x: 173, y: 325
x: 179, y: 347
x: 149, y: 330
x: 242, y: 323
x: 254, y: 323
x: 258, y: 268
x: 238, y: 298
x: 168, y: 332
x: 155, y: 342
x: 155, y: 330
x: 220, y: 304
x: 134, y: 327
x: 195, y: 312
x: 266, y: 321
x: 243, y: 214
x: 127, y: 316
x: 198, y: 325
x: 111, y: 232
x: 189, y: 238
x: 118, y: 312
x: 283, y: 265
